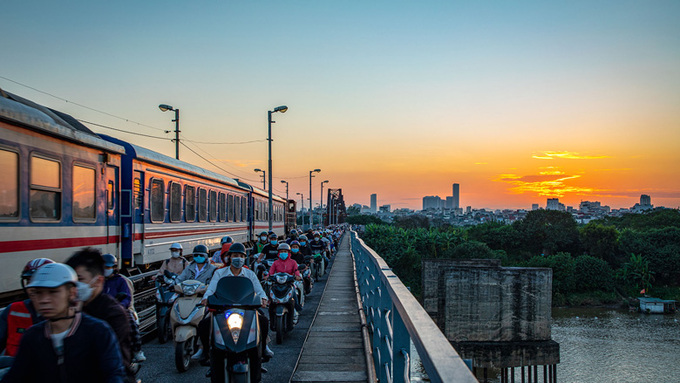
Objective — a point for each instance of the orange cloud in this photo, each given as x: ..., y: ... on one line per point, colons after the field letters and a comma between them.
x: 550, y: 185
x: 550, y: 155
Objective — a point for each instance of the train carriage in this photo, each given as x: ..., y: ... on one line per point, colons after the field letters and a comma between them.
x: 59, y: 187
x: 258, y: 212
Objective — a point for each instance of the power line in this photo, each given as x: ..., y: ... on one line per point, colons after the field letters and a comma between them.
x: 225, y: 143
x: 213, y: 164
x: 81, y: 105
x: 121, y: 130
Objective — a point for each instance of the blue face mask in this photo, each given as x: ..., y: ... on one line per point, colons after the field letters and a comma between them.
x: 274, y: 242
x: 199, y: 259
x: 303, y: 243
x: 294, y: 250
x: 283, y: 256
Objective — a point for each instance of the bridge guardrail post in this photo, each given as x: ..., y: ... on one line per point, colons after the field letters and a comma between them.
x: 402, y: 350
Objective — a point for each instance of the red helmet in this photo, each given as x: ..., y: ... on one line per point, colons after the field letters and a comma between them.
x: 31, y: 267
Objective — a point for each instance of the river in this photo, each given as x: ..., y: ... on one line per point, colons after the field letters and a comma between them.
x: 605, y: 345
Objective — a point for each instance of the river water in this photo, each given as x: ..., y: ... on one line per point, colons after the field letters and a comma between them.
x: 604, y: 345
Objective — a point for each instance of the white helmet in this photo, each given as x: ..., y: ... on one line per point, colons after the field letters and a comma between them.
x: 176, y: 246
x: 53, y: 275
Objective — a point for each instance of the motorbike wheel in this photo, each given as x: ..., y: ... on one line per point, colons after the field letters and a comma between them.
x: 183, y: 355
x: 163, y: 329
x: 280, y: 326
x: 231, y: 377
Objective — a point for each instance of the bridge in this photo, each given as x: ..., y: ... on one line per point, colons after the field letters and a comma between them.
x: 359, y: 324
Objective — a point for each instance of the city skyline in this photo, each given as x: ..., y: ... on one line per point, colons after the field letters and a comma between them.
x: 516, y: 102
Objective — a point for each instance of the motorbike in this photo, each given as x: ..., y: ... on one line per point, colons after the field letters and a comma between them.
x: 184, y: 318
x: 306, y: 272
x: 165, y: 297
x: 282, y: 306
x: 318, y: 266
x: 235, y: 332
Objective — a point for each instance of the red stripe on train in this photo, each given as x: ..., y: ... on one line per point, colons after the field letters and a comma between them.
x: 46, y: 244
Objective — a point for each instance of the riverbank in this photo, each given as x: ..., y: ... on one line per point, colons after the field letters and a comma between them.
x: 613, y: 299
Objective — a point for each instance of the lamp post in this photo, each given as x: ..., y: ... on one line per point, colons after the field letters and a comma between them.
x: 302, y: 207
x: 165, y: 108
x: 281, y: 109
x: 321, y: 201
x: 310, y: 195
x: 285, y: 182
x: 264, y: 186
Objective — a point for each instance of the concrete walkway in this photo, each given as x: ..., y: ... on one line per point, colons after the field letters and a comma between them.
x: 334, y: 349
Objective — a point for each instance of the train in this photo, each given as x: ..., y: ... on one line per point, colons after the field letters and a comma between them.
x: 65, y: 187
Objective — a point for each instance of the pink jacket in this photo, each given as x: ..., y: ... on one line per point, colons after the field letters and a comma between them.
x: 288, y: 266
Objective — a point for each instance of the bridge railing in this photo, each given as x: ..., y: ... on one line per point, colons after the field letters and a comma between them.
x: 396, y: 320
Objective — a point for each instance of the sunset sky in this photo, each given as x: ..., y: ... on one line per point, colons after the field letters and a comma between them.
x: 515, y: 101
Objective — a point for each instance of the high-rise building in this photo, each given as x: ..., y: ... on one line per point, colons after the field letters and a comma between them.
x: 432, y: 203
x: 534, y: 206
x: 553, y: 204
x: 449, y: 203
x: 645, y: 200
x: 456, y: 196
x: 374, y: 203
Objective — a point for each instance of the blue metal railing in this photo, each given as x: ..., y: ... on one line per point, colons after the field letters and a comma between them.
x: 396, y: 319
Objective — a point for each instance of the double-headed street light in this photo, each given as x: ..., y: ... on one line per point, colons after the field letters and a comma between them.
x: 264, y: 174
x: 286, y: 182
x: 302, y: 208
x: 281, y: 109
x: 165, y: 108
x: 310, y: 196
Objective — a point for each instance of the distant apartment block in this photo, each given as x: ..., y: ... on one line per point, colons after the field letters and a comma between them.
x: 534, y: 206
x: 432, y: 203
x: 385, y: 208
x: 374, y: 203
x: 456, y: 196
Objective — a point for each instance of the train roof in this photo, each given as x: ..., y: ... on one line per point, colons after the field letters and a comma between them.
x: 150, y: 156
x: 16, y: 109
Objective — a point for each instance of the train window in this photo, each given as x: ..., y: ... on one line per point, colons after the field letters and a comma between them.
x: 175, y: 202
x: 157, y: 199
x: 212, y: 203
x: 83, y: 193
x: 109, y: 195
x: 189, y: 203
x: 222, y: 200
x: 45, y: 199
x: 237, y: 208
x: 137, y: 189
x: 244, y: 209
x: 9, y: 187
x: 230, y: 208
x: 202, y: 205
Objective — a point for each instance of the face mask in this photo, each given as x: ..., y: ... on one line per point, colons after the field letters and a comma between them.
x: 274, y: 242
x: 303, y: 243
x: 175, y: 254
x: 199, y: 259
x: 294, y: 250
x: 84, y: 291
x: 263, y: 239
x: 283, y: 256
x: 238, y: 262
x: 108, y: 272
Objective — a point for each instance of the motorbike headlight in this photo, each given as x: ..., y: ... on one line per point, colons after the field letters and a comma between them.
x: 189, y: 289
x: 234, y: 323
x: 281, y: 279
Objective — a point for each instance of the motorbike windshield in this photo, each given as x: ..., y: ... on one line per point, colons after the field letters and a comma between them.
x: 234, y: 291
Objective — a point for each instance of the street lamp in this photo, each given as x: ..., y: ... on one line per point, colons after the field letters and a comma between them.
x: 310, y: 195
x: 285, y: 182
x: 302, y: 207
x: 321, y: 201
x: 264, y: 186
x: 165, y: 108
x: 281, y: 109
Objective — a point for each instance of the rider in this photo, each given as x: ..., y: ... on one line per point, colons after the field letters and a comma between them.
x: 295, y: 253
x: 271, y: 250
x: 69, y: 346
x: 176, y: 264
x: 19, y: 316
x: 199, y: 269
x: 304, y: 246
x: 319, y: 247
x: 225, y: 242
x: 261, y: 243
x: 89, y: 266
x: 292, y: 237
x: 237, y: 258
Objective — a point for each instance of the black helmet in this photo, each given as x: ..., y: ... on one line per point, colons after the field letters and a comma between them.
x: 109, y: 260
x: 237, y: 248
x: 264, y: 233
x: 201, y: 249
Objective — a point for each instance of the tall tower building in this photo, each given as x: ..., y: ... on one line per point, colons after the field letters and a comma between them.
x: 645, y: 200
x: 553, y: 204
x: 456, y: 196
x: 374, y: 203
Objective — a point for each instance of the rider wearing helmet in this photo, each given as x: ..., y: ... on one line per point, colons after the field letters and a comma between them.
x: 304, y: 246
x: 21, y: 315
x: 263, y: 240
x: 271, y: 250
x: 295, y: 252
x: 292, y: 237
x: 115, y: 284
x: 176, y: 264
x: 225, y: 242
x: 69, y: 346
x: 285, y: 264
x: 199, y: 269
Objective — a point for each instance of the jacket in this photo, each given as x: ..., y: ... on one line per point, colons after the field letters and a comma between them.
x: 118, y: 289
x: 110, y: 311
x: 173, y: 265
x: 288, y: 266
x: 191, y: 272
x: 90, y: 354
x: 12, y: 327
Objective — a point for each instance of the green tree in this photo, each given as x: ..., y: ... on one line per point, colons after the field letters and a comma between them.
x: 548, y: 231
x: 473, y: 250
x: 353, y: 210
x: 364, y: 220
x: 602, y: 242
x: 637, y: 273
x: 412, y: 221
x: 592, y: 274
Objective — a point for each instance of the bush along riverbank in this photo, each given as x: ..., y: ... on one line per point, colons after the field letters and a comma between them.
x: 607, y: 262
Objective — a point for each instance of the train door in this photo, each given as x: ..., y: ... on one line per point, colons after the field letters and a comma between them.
x: 112, y: 211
